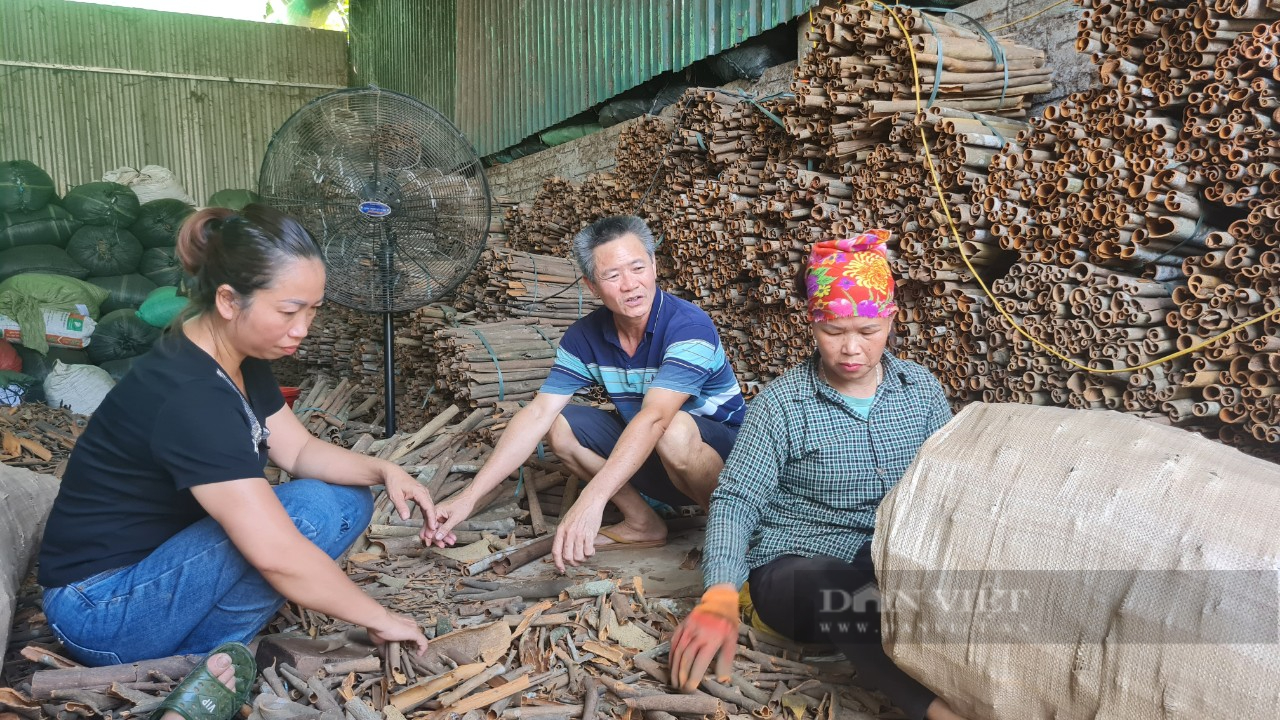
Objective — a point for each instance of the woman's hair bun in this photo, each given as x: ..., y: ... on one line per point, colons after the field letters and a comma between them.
x: 200, y: 230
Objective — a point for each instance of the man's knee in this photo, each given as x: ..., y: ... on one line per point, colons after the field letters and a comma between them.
x: 679, y: 443
x: 561, y: 438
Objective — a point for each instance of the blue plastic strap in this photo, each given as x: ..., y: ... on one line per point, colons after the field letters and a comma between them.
x: 997, y: 50
x: 544, y: 337
x: 990, y: 127
x: 763, y: 110
x: 502, y: 388
x: 937, y: 68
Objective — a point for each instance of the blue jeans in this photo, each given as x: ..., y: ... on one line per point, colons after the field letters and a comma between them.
x: 196, y: 591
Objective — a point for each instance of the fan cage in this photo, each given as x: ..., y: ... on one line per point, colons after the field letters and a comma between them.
x: 391, y: 190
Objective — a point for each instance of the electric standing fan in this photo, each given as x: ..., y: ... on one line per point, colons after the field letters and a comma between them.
x: 394, y: 194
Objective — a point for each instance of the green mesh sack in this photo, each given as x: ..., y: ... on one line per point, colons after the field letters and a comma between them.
x: 105, y: 250
x: 162, y: 306
x: 45, y: 259
x: 119, y: 335
x: 233, y: 199
x: 560, y: 136
x: 159, y: 220
x: 25, y: 298
x: 13, y: 377
x: 161, y: 266
x: 127, y: 291
x: 117, y: 369
x: 39, y: 365
x: 51, y: 225
x: 17, y: 388
x: 102, y: 203
x: 24, y: 187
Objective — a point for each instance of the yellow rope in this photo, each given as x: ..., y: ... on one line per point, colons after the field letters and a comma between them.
x: 1032, y: 16
x: 955, y: 235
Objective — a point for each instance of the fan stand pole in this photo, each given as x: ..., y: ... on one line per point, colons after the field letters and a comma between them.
x: 389, y: 366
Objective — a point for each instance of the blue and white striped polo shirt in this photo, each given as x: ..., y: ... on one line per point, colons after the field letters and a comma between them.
x: 681, y: 351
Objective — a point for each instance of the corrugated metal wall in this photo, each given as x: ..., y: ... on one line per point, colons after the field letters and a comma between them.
x: 524, y: 65
x: 83, y: 90
x: 406, y: 46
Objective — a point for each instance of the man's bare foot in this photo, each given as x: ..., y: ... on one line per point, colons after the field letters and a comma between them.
x: 652, y: 530
x: 220, y: 667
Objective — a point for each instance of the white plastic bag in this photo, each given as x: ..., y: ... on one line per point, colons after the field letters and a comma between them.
x: 78, y: 387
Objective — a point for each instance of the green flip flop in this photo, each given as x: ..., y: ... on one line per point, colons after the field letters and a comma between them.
x: 200, y: 696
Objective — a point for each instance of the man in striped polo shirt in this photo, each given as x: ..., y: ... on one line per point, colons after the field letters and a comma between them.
x: 678, y: 405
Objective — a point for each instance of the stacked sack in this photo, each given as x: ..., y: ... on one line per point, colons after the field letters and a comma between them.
x: 86, y: 280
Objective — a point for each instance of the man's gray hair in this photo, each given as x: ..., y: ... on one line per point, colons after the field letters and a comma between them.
x: 607, y: 230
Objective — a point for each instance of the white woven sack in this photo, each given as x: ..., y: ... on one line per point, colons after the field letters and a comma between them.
x: 78, y: 387
x: 1049, y: 563
x: 152, y: 182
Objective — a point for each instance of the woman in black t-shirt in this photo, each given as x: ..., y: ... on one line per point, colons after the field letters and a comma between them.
x: 166, y: 538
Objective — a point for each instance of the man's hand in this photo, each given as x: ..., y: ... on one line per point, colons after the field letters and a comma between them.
x: 710, y: 631
x: 448, y: 515
x: 402, y: 488
x: 576, y: 535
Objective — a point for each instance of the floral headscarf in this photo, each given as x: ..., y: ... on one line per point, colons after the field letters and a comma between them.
x: 850, y: 278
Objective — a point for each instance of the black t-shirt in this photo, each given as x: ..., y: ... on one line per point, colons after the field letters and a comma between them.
x: 175, y: 421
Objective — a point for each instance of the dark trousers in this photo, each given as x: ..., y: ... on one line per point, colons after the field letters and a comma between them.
x: 826, y: 600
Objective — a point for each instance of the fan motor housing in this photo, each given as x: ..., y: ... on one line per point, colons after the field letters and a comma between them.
x: 380, y: 198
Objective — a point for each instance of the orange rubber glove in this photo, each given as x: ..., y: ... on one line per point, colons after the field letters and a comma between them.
x: 710, y: 631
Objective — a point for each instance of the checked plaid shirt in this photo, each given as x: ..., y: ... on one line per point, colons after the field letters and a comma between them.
x: 806, y: 474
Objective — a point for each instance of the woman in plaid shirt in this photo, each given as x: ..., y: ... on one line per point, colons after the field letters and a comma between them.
x: 791, y: 520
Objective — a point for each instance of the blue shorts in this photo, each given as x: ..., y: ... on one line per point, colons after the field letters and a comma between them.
x: 598, y: 431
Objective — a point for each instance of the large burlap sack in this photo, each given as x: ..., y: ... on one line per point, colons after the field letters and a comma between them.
x: 43, y: 259
x: 105, y: 250
x: 24, y: 187
x: 78, y: 387
x: 159, y: 220
x: 50, y: 225
x: 152, y: 182
x: 119, y: 335
x: 1048, y: 563
x: 102, y: 203
x: 127, y: 291
x: 25, y: 501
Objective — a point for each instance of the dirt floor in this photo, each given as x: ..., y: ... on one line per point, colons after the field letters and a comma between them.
x: 561, y: 647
